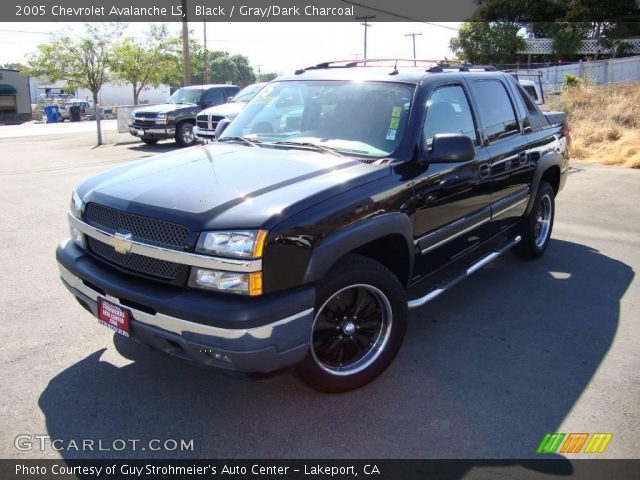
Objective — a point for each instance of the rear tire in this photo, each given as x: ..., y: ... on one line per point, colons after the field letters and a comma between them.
x: 537, y: 226
x: 359, y: 325
x: 184, y: 135
x: 150, y: 141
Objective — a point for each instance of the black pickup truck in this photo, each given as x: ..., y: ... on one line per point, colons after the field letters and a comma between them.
x: 305, y: 234
x: 176, y: 118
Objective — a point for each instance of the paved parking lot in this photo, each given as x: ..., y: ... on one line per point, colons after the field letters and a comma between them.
x: 518, y: 350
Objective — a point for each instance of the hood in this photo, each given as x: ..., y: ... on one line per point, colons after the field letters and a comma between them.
x: 230, y: 109
x: 228, y: 186
x: 165, y: 108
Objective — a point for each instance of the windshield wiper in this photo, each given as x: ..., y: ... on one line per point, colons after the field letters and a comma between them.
x: 246, y: 141
x: 331, y: 150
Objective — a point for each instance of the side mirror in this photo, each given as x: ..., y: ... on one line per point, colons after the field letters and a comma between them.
x: 230, y: 98
x: 449, y: 148
x: 221, y: 127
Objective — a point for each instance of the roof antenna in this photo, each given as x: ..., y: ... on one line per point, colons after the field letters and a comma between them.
x: 395, y: 69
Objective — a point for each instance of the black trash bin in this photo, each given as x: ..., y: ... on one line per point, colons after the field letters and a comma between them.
x: 74, y: 113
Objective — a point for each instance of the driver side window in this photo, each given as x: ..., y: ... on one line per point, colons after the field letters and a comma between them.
x: 448, y: 111
x: 213, y: 97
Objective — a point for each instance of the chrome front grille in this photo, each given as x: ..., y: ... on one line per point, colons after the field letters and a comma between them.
x: 134, y: 262
x: 142, y: 229
x: 208, y: 122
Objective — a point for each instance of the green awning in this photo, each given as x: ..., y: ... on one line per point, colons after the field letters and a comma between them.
x: 7, y: 89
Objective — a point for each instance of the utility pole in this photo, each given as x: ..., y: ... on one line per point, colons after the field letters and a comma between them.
x: 366, y: 25
x: 259, y: 78
x: 186, y: 65
x: 414, y: 34
x: 206, y: 69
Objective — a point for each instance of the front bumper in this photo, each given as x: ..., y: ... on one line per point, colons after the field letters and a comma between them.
x: 204, y: 135
x: 228, y: 332
x: 158, y: 133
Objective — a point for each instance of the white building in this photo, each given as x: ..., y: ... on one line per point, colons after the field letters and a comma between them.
x: 15, y: 103
x: 110, y: 94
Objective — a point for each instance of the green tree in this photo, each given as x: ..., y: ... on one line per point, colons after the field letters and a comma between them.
x: 267, y: 77
x: 573, y: 21
x: 487, y: 42
x: 13, y: 66
x: 146, y: 62
x: 83, y: 61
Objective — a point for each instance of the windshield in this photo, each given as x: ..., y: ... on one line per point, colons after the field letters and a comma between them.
x: 354, y: 118
x: 186, y: 95
x: 247, y: 93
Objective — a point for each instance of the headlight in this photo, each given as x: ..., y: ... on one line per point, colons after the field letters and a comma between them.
x: 236, y: 244
x: 77, y: 205
x: 229, y: 282
x: 76, y: 208
x: 162, y: 118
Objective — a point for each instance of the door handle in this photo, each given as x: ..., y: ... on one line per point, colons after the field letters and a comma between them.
x: 484, y: 169
x: 523, y: 158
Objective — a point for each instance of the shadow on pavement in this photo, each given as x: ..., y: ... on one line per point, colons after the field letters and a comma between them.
x: 160, y: 147
x: 486, y: 370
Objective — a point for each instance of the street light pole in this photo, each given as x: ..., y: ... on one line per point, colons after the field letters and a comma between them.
x: 206, y: 69
x: 414, y: 44
x: 259, y: 76
x: 185, y: 47
x: 366, y: 25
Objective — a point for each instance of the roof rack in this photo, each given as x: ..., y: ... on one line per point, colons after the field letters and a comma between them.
x: 434, y: 66
x: 461, y: 67
x: 524, y: 72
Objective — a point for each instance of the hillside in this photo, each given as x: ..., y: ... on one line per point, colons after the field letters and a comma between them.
x: 605, y: 123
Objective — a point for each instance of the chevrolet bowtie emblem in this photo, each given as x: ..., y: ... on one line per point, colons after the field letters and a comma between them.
x: 122, y: 242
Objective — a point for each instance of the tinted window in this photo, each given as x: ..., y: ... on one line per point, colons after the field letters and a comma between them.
x: 531, y: 90
x: 230, y: 92
x: 448, y: 111
x: 495, y: 108
x: 215, y: 96
x: 528, y: 101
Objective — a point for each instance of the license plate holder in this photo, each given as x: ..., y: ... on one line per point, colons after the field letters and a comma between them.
x: 114, y: 317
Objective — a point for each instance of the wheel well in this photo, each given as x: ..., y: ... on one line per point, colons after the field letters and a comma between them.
x: 552, y: 175
x: 392, y: 252
x: 186, y: 120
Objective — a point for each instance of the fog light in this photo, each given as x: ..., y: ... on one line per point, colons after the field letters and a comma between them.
x: 77, y: 237
x: 231, y: 282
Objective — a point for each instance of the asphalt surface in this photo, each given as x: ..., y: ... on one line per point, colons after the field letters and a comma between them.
x: 520, y: 349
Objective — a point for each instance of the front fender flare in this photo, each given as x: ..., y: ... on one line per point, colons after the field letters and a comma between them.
x: 354, y: 236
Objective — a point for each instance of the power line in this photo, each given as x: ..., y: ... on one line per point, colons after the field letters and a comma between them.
x: 398, y: 15
x: 414, y: 35
x: 366, y: 25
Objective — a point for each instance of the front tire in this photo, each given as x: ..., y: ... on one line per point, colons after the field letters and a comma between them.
x: 184, y: 135
x: 359, y: 325
x: 537, y: 226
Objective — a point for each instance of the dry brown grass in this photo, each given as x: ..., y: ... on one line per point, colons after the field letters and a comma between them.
x: 605, y: 123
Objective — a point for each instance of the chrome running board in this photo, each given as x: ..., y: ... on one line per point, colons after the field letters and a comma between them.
x: 418, y: 302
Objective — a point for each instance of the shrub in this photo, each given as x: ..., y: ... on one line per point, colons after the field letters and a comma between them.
x: 571, y: 81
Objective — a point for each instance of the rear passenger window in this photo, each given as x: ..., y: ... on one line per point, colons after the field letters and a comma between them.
x: 531, y: 90
x: 213, y: 97
x: 495, y: 109
x: 448, y: 111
